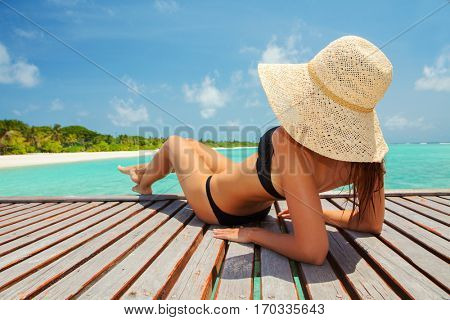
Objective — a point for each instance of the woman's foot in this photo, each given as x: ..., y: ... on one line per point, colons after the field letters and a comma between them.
x: 137, y: 188
x: 134, y: 173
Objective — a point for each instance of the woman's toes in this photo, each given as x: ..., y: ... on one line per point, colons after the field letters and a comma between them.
x: 134, y: 176
x: 122, y: 169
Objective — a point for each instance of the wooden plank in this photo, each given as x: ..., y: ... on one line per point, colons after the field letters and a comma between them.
x: 365, y: 282
x: 24, y: 268
x: 422, y: 221
x: 276, y: 275
x: 78, y: 279
x: 432, y: 242
x: 100, y: 198
x: 439, y: 200
x: 157, y: 280
x: 236, y: 278
x: 392, y: 193
x: 6, y: 204
x: 413, y: 283
x: 434, y: 206
x: 23, y: 214
x: 38, y: 216
x: 436, y: 268
x: 44, y: 228
x: 425, y: 211
x: 42, y: 249
x: 23, y: 208
x: 321, y: 282
x: 445, y: 197
x: 117, y: 280
x: 197, y: 278
x: 31, y: 285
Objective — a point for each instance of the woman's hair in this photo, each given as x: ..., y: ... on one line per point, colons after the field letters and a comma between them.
x: 366, y: 178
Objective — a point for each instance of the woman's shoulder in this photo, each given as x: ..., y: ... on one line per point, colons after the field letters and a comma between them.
x: 282, y: 141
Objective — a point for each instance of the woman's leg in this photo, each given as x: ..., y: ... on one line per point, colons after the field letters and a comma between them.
x: 170, y: 152
x: 193, y: 162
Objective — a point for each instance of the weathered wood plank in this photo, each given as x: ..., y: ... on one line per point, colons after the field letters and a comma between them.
x: 445, y: 197
x: 236, y: 277
x: 421, y: 220
x: 74, y: 282
x: 409, y: 279
x: 157, y: 280
x: 366, y: 283
x: 436, y: 268
x: 99, y: 198
x: 429, y: 240
x: 40, y: 215
x: 321, y: 282
x: 40, y: 279
x: 45, y: 250
x: 6, y: 204
x: 276, y: 276
x: 422, y: 210
x: 392, y: 193
x: 438, y: 200
x: 23, y: 208
x: 196, y: 279
x: 44, y: 228
x: 30, y: 213
x: 118, y: 279
x: 434, y: 206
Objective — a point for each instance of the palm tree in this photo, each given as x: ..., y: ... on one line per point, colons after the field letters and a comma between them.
x: 56, y: 132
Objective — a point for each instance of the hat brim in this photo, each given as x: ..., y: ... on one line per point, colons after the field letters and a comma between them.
x: 316, y: 121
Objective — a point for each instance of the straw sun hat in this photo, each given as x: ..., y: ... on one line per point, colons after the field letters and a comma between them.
x: 327, y: 104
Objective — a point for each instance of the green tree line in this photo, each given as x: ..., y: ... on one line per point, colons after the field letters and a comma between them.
x: 17, y: 137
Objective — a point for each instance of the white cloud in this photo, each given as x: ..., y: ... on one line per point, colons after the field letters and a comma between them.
x: 17, y: 72
x: 82, y: 113
x: 126, y: 114
x: 437, y: 76
x: 290, y: 50
x: 26, y: 110
x: 279, y: 53
x: 399, y: 122
x: 166, y: 6
x: 207, y: 95
x: 133, y: 86
x: 27, y: 34
x: 56, y: 105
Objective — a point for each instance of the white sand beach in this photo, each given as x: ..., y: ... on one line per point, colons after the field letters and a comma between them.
x: 31, y: 159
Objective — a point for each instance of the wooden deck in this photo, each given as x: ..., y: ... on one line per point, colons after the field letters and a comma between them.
x: 154, y: 247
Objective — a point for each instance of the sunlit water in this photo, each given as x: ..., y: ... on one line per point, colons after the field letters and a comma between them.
x: 409, y: 166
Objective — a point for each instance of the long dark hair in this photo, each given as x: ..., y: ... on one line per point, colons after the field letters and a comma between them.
x: 365, y: 178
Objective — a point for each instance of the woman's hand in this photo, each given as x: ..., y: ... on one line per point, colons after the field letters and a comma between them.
x: 284, y: 214
x: 241, y: 234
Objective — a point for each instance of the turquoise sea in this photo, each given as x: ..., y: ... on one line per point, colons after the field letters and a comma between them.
x: 409, y: 166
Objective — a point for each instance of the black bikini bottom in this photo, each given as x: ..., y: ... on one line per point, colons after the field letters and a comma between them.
x: 229, y: 219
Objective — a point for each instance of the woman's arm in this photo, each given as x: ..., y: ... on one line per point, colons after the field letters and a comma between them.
x: 371, y: 219
x: 282, y: 243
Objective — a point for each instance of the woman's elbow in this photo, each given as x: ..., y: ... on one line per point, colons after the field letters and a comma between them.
x: 314, y: 255
x: 319, y: 257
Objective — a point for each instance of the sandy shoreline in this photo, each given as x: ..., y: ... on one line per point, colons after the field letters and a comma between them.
x: 33, y: 159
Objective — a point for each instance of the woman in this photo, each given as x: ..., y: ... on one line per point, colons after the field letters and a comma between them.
x: 329, y: 137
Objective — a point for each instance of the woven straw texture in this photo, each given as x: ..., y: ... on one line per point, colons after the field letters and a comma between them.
x: 327, y: 105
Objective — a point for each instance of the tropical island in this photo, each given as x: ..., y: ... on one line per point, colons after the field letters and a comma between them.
x: 17, y: 137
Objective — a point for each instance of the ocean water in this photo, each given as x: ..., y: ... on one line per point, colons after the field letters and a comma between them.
x: 409, y: 166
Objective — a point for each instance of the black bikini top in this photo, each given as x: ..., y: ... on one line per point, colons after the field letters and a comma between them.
x: 264, y: 163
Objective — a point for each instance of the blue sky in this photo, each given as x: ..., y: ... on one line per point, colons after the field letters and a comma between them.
x: 197, y: 61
